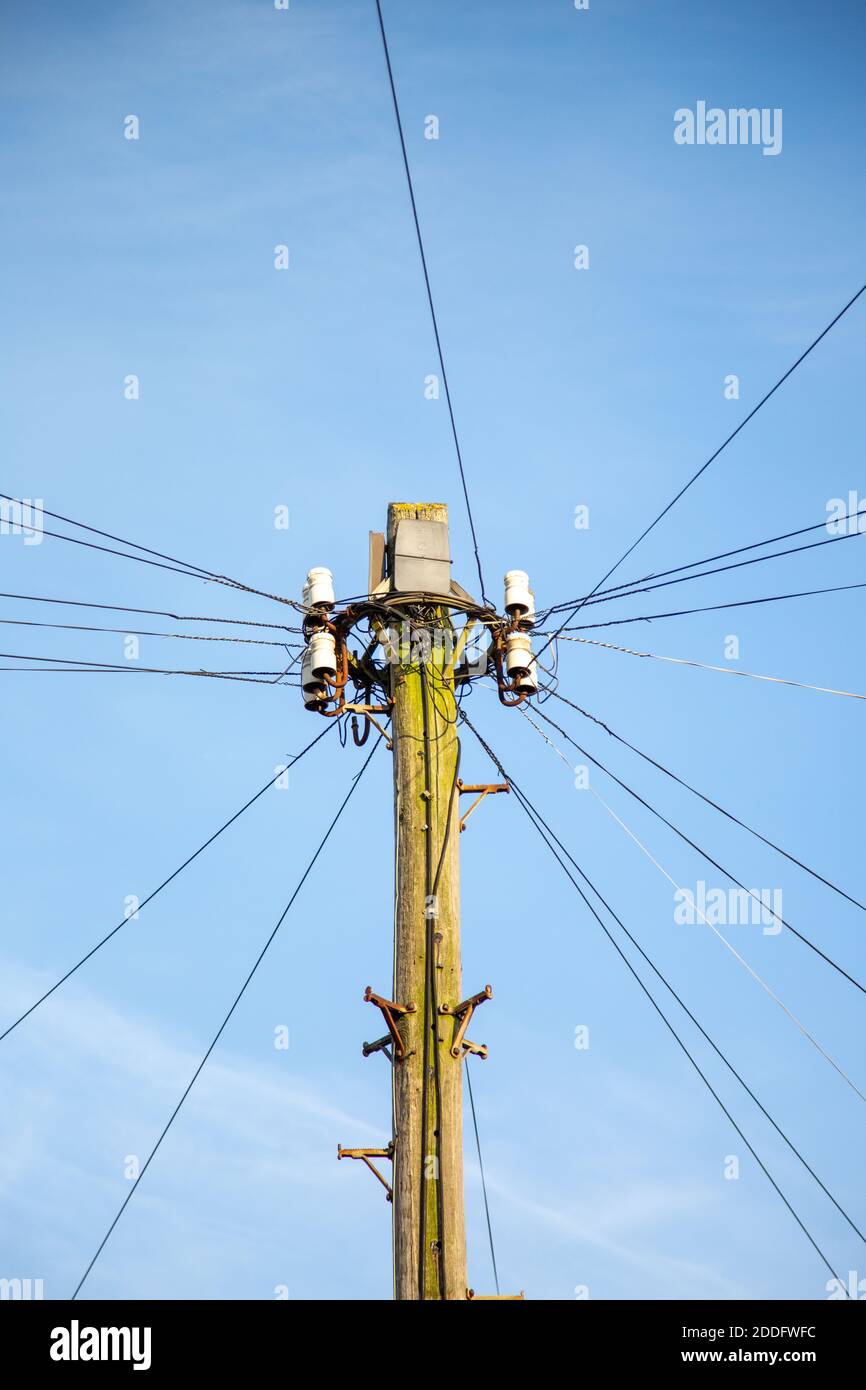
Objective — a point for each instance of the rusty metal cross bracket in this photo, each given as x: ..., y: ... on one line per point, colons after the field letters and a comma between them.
x: 462, y: 1013
x: 365, y: 1155
x: 485, y: 789
x: 389, y: 1009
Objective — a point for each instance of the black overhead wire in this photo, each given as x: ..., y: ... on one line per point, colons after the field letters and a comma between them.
x: 109, y: 550
x: 139, y: 632
x: 703, y: 574
x: 712, y: 458
x: 731, y: 1068
x: 714, y: 804
x: 178, y: 566
x: 615, y: 589
x: 728, y: 670
x: 60, y: 663
x: 107, y: 535
x: 166, y: 881
x: 710, y: 608
x: 699, y: 850
x: 549, y: 838
x: 439, y: 351
x: 149, y: 671
x: 207, y: 578
x: 150, y: 612
x: 235, y: 1002
x: 483, y: 1180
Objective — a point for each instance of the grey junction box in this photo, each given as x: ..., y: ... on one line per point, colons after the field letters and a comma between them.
x: 422, y: 558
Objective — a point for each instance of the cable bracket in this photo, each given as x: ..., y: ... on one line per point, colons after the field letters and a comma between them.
x: 484, y: 788
x: 389, y: 1010
x: 462, y: 1013
x: 365, y: 1155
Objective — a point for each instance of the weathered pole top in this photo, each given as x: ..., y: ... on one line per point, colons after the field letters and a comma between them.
x: 412, y: 561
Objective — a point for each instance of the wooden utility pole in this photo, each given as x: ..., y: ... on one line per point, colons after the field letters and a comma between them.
x: 411, y: 597
x: 429, y: 1224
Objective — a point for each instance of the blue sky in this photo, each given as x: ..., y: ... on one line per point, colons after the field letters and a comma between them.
x: 601, y: 387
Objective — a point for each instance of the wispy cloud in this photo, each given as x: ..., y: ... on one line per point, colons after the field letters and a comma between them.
x: 94, y: 1086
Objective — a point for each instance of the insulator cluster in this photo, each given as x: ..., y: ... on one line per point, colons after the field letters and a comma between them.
x: 321, y: 664
x: 520, y: 665
x: 326, y: 663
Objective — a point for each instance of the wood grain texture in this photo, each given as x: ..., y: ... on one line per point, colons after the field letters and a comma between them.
x: 416, y: 816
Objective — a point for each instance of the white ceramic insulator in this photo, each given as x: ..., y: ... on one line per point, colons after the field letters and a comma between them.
x: 528, y: 681
x: 323, y: 655
x: 320, y: 584
x: 519, y: 598
x: 305, y: 595
x: 518, y: 653
x: 313, y: 689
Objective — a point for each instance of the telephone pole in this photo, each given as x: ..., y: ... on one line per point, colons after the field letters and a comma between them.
x: 429, y: 1225
x: 421, y: 657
